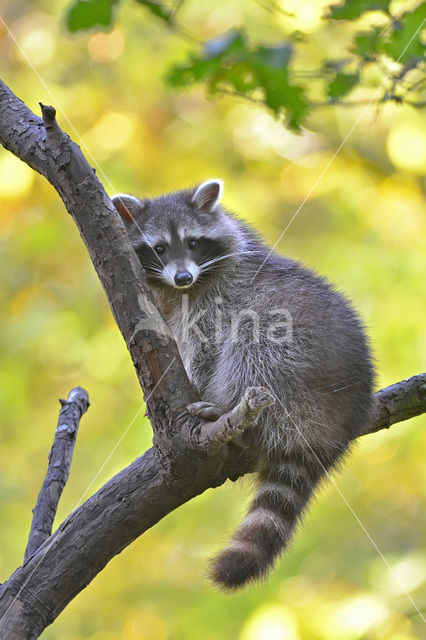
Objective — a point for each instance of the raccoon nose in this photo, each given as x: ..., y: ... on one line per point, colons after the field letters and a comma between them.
x: 183, y: 278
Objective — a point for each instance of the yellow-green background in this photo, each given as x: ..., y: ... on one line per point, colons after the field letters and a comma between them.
x: 363, y: 226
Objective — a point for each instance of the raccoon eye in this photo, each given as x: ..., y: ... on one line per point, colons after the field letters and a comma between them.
x: 159, y: 248
x: 193, y: 243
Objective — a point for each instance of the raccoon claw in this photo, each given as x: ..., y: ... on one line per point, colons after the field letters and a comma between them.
x: 204, y: 410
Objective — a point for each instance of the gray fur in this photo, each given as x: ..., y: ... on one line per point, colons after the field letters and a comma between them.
x: 320, y: 373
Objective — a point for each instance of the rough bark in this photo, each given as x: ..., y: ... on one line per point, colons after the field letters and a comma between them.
x: 188, y: 456
x: 399, y: 402
x: 58, y: 469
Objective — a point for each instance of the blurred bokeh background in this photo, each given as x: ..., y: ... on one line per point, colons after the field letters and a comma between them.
x: 358, y: 567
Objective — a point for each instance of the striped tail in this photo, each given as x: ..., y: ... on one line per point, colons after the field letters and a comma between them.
x: 284, y: 490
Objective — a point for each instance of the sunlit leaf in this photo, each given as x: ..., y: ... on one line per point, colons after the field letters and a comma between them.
x: 341, y: 84
x: 158, y: 10
x: 366, y: 44
x: 229, y: 63
x: 208, y: 65
x: 85, y: 14
x: 352, y: 9
x: 232, y: 41
x: 405, y: 41
x: 270, y: 65
x: 196, y: 70
x: 274, y: 57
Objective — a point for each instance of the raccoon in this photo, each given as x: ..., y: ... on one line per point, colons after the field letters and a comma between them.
x: 244, y: 316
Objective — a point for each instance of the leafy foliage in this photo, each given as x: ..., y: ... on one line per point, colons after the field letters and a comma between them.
x: 233, y: 63
x: 366, y: 44
x: 404, y: 42
x: 229, y: 63
x: 158, y: 9
x: 86, y: 14
x: 341, y: 84
x: 351, y: 9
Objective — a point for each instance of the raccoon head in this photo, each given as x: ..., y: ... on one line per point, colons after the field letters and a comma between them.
x: 181, y: 238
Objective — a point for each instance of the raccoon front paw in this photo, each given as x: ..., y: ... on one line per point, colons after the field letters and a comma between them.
x: 204, y: 410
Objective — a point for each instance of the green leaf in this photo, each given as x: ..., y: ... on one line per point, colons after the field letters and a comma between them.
x: 270, y: 65
x: 217, y: 59
x: 342, y: 84
x: 158, y: 10
x: 352, y: 9
x: 229, y: 63
x: 274, y: 57
x: 405, y: 42
x: 85, y: 14
x: 232, y: 41
x: 197, y: 70
x: 367, y: 43
x: 295, y: 104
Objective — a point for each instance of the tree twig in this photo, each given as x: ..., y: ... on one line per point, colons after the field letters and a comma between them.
x: 60, y: 457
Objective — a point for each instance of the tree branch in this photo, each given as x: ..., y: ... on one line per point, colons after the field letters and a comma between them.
x: 58, y: 469
x: 125, y: 507
x: 398, y: 402
x: 188, y: 455
x: 48, y: 150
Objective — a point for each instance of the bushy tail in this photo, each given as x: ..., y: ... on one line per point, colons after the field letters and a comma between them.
x: 284, y: 490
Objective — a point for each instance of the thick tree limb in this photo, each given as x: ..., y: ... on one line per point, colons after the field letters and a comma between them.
x: 400, y: 401
x: 126, y: 506
x: 185, y: 459
x: 49, y: 151
x: 60, y: 456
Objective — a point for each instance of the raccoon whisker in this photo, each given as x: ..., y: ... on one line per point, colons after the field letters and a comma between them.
x: 213, y: 260
x: 209, y: 269
x: 153, y: 268
x: 227, y: 255
x: 156, y: 274
x: 150, y: 264
x: 156, y: 271
x: 207, y: 263
x: 212, y: 269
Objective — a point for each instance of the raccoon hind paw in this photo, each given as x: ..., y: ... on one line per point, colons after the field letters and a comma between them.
x: 204, y: 410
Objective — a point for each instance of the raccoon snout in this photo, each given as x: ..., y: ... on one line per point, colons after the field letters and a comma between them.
x: 183, y: 278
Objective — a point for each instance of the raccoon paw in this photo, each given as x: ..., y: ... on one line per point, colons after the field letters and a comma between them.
x: 204, y: 410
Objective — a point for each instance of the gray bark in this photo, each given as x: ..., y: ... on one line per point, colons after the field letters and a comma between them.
x: 60, y: 456
x: 399, y: 402
x: 188, y: 456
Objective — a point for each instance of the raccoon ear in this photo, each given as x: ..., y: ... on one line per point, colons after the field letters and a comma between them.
x: 208, y: 194
x: 127, y: 206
